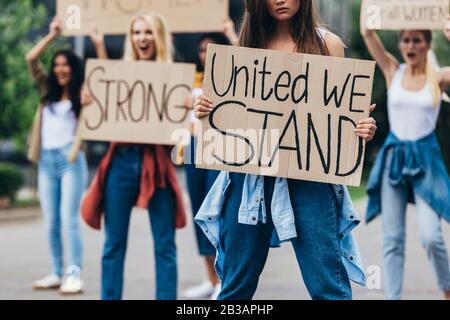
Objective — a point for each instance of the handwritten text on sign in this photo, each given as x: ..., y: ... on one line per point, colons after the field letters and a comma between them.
x: 405, y: 14
x: 136, y: 102
x: 285, y: 115
x: 114, y: 16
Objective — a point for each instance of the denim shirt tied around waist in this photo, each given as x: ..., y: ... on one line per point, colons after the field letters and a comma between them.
x: 418, y: 163
x: 252, y: 211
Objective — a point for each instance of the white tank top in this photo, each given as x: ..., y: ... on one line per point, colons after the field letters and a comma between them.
x: 322, y: 32
x: 412, y: 115
x: 58, y: 125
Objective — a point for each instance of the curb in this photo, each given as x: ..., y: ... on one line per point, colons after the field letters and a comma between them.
x: 17, y: 214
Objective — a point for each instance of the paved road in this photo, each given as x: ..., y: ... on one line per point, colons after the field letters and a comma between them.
x: 24, y: 258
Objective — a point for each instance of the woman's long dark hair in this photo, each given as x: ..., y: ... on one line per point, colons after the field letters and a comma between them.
x: 217, y: 38
x: 258, y: 26
x: 55, y: 91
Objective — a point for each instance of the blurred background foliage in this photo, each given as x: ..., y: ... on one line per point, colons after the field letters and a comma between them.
x: 18, y: 95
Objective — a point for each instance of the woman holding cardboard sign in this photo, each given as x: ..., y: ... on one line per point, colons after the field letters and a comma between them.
x: 242, y: 212
x: 409, y: 167
x: 62, y: 168
x: 138, y: 175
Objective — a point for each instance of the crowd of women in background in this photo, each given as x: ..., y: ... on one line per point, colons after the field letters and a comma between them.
x: 409, y: 168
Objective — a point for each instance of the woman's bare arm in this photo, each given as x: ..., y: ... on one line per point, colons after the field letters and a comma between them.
x: 385, y: 60
x: 98, y: 39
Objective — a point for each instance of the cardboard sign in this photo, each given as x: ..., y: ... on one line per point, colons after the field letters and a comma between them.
x: 285, y: 115
x: 136, y: 102
x: 405, y: 14
x: 113, y: 16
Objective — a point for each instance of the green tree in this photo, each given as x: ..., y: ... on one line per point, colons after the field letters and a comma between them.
x: 18, y: 95
x: 442, y: 49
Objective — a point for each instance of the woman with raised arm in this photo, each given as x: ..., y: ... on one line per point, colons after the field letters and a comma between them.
x: 62, y: 168
x: 409, y: 166
x: 321, y: 214
x: 137, y: 175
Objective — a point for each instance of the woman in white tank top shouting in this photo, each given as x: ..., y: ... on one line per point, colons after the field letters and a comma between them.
x: 409, y: 167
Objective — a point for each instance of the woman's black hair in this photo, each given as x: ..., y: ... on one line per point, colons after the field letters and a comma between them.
x: 217, y: 38
x: 55, y: 91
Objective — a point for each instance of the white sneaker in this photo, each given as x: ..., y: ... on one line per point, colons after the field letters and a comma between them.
x: 202, y: 291
x: 73, y: 283
x: 217, y: 289
x: 49, y: 282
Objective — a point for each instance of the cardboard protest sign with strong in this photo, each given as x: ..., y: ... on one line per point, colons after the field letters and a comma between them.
x: 404, y: 14
x: 285, y: 115
x: 113, y: 16
x: 136, y: 102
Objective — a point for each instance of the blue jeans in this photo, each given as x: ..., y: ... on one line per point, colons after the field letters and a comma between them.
x: 61, y: 187
x: 243, y: 249
x: 121, y: 192
x: 394, y: 201
x: 199, y: 182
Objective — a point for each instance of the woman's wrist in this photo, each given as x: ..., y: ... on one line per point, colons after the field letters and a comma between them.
x: 366, y: 32
x: 99, y: 44
x: 51, y: 37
